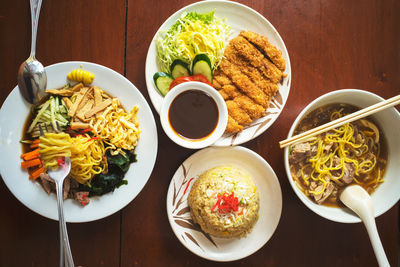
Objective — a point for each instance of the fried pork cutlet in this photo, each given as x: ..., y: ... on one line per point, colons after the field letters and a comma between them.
x: 253, y: 73
x: 237, y: 113
x: 222, y: 79
x: 232, y: 126
x: 226, y: 88
x: 230, y: 91
x: 247, y: 78
x: 254, y: 110
x: 268, y: 49
x: 216, y: 84
x: 256, y: 59
x: 244, y: 83
x: 224, y: 95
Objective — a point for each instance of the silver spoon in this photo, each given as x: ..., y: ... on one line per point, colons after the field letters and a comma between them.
x: 32, y: 79
x: 59, y: 176
x: 358, y: 200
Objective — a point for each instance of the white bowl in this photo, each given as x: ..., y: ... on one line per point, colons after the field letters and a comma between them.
x: 388, y: 193
x: 222, y: 115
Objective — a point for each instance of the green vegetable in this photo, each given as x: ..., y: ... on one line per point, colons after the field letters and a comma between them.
x: 162, y: 81
x: 51, y: 116
x: 192, y: 34
x: 118, y: 165
x: 202, y: 65
x: 179, y: 69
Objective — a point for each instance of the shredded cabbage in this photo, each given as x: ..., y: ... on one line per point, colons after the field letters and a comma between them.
x: 192, y: 34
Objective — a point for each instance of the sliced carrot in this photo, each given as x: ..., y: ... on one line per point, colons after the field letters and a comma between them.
x: 31, y: 163
x: 30, y: 154
x: 34, y: 145
x: 36, y: 141
x: 36, y: 173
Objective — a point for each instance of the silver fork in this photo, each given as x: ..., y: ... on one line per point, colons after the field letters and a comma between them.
x: 59, y: 176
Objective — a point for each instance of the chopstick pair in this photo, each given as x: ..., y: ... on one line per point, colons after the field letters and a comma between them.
x: 343, y: 120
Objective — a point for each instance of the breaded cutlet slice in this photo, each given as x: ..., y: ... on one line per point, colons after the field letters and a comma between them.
x: 245, y: 103
x: 253, y: 73
x: 244, y: 83
x: 254, y: 110
x: 237, y: 113
x: 216, y: 84
x: 232, y: 91
x: 221, y: 78
x: 256, y: 59
x: 261, y: 42
x: 224, y: 95
x: 233, y: 127
x: 224, y: 85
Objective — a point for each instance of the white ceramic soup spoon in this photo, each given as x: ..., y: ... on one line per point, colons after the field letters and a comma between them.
x: 358, y: 200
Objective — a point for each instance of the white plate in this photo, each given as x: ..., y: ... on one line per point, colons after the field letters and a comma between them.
x: 239, y: 17
x: 14, y: 113
x: 221, y: 249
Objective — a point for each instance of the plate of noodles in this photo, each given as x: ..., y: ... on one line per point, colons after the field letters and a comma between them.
x: 96, y: 117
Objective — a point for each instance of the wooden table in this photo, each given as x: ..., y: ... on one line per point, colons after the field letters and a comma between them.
x: 332, y: 45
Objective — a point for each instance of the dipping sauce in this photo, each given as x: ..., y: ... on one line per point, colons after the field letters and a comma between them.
x: 193, y: 114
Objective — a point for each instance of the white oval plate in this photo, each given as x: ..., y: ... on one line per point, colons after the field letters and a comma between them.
x: 190, y: 234
x: 239, y: 17
x: 14, y: 113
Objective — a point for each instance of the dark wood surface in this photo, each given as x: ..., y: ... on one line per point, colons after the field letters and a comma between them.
x: 332, y: 45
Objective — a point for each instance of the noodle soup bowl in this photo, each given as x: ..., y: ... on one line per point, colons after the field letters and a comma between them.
x: 388, y: 193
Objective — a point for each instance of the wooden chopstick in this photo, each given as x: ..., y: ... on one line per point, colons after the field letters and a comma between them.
x: 343, y: 120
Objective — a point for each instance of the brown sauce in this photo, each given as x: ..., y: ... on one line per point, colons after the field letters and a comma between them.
x: 193, y: 115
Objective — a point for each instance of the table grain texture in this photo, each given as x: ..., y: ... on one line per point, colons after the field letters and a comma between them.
x: 332, y: 45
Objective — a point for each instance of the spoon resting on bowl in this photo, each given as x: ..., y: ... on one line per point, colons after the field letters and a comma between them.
x: 358, y: 200
x: 32, y: 79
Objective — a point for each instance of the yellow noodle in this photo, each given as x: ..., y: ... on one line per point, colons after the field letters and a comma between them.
x: 86, y: 154
x: 322, y: 162
x: 119, y: 128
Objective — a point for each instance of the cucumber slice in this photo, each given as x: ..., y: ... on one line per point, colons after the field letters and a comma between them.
x: 202, y: 65
x: 162, y: 81
x: 179, y: 69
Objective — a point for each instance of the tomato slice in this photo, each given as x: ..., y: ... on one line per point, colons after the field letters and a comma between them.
x: 196, y: 78
x: 180, y: 80
x: 201, y: 78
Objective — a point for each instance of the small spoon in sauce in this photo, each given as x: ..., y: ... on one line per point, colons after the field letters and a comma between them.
x: 358, y: 200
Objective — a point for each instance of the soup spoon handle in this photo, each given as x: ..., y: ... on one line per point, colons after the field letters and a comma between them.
x: 370, y: 225
x: 358, y: 200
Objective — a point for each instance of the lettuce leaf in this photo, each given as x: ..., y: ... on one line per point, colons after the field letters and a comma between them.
x: 193, y: 33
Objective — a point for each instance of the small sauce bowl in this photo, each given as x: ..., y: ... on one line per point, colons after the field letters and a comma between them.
x: 194, y: 115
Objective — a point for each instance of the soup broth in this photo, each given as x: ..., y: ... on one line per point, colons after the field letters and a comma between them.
x: 355, y: 153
